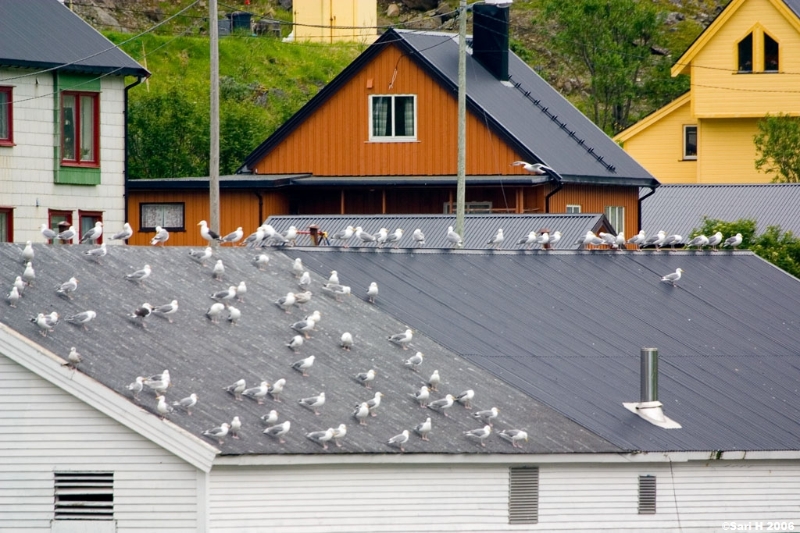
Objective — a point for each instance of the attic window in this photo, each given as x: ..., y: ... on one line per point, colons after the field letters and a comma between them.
x: 393, y: 118
x: 84, y: 496
x: 523, y: 495
x: 770, y: 54
x: 647, y: 494
x: 746, y: 54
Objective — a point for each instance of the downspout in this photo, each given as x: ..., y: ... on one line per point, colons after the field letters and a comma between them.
x: 125, y: 140
x: 260, y: 207
x: 559, y: 185
x: 639, y: 218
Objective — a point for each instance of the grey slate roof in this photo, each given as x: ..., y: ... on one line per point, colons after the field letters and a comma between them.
x: 478, y: 228
x: 203, y: 357
x: 567, y: 327
x: 681, y: 208
x: 44, y: 34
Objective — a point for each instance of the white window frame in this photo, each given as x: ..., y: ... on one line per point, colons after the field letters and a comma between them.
x: 391, y: 138
x: 616, y: 215
x: 161, y: 216
x: 481, y: 208
x: 686, y: 156
x: 573, y: 209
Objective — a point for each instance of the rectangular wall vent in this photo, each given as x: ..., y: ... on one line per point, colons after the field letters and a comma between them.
x: 523, y: 495
x: 84, y: 496
x: 647, y: 494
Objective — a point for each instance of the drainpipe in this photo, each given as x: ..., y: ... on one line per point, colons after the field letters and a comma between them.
x: 260, y: 207
x: 652, y: 191
x: 125, y: 134
x: 559, y: 185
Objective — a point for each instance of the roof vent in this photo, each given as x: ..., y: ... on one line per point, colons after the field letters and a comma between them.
x: 648, y: 406
x: 490, y: 37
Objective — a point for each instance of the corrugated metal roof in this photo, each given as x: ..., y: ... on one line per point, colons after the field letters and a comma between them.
x: 478, y: 228
x: 46, y: 34
x: 681, y: 208
x: 794, y: 5
x: 566, y: 328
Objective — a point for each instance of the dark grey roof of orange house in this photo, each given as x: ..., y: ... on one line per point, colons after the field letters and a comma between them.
x: 45, y: 34
x: 528, y: 113
x: 681, y: 208
x: 478, y: 228
x: 203, y: 357
x: 236, y: 181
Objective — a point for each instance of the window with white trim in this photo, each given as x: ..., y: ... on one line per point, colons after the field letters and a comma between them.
x: 393, y: 117
x: 647, y: 494
x: 6, y: 117
x: 523, y: 495
x: 84, y: 495
x: 469, y: 207
x: 169, y: 216
x: 573, y: 209
x: 690, y: 142
x: 616, y: 215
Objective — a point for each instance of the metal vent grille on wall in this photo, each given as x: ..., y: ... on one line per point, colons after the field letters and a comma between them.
x: 647, y: 494
x: 84, y: 496
x: 523, y: 495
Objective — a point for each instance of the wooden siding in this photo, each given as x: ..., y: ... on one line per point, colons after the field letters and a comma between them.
x: 594, y: 199
x: 726, y: 152
x: 659, y: 148
x: 718, y: 91
x: 45, y: 429
x: 237, y: 208
x: 334, y: 140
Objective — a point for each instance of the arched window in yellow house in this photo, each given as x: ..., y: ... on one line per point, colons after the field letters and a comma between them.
x: 746, y: 54
x: 770, y: 54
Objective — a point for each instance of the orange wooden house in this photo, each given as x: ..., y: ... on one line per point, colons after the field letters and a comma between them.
x: 381, y: 138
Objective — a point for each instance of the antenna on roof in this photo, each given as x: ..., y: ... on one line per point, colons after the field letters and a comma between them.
x: 648, y: 406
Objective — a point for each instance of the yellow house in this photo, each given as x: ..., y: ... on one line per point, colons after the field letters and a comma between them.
x: 745, y: 65
x: 330, y: 21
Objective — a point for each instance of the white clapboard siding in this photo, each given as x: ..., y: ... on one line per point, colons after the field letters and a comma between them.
x: 43, y: 430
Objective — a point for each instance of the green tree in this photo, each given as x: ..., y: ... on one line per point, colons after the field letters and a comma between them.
x: 778, y: 147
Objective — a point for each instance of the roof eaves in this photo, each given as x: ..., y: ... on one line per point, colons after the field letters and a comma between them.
x: 683, y: 62
x: 610, y: 180
x: 84, y: 69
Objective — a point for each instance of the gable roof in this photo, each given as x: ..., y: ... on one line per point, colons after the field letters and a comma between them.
x: 681, y: 208
x: 45, y: 34
x: 478, y: 228
x: 528, y: 113
x: 653, y: 118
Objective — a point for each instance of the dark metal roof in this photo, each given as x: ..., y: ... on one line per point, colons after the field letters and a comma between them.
x: 478, y: 228
x: 528, y: 114
x: 794, y: 5
x: 681, y: 208
x: 203, y: 358
x: 237, y: 181
x: 44, y: 34
x: 417, y: 181
x: 567, y: 327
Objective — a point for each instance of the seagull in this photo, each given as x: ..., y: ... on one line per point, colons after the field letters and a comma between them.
x: 290, y: 235
x: 276, y: 389
x: 514, y: 436
x: 673, y: 277
x: 142, y: 312
x: 297, y: 267
x: 488, y: 415
x: 279, y: 431
x: 554, y: 238
x: 305, y: 280
x: 227, y: 294
x: 261, y: 261
x: 44, y: 325
x: 47, y: 233
x: 441, y: 405
x: 73, y: 358
x: 372, y: 292
x: 344, y: 235
x: 136, y: 387
x: 395, y: 237
x: 315, y: 316
x: 234, y: 315
x: 481, y: 434
x: 619, y: 243
x: 402, y: 339
x: 68, y: 287
x: 532, y: 168
x: 433, y: 381
x: 365, y: 378
x: 424, y: 428
x: 733, y: 242
x: 167, y: 309
x: 302, y: 297
x: 67, y: 235
x: 163, y: 407
x: 236, y: 425
x: 284, y: 303
x: 94, y: 233
x: 257, y: 393
x: 361, y: 413
x: 333, y: 279
x: 161, y: 236
x: 337, y: 290
x: 186, y: 403
x: 303, y: 365
x: 422, y: 396
x: 414, y: 361
x: 158, y: 383
x: 543, y: 239
x: 236, y: 389
x: 219, y: 270
x: 638, y: 239
x: 29, y: 274
x: 529, y: 240
x: 52, y: 319
x: 346, y: 341
x: 218, y: 433
x: 214, y: 311
x: 465, y: 398
x: 201, y: 255
x: 82, y: 319
x: 656, y: 240
x: 381, y: 236
x: 454, y: 238
x: 98, y: 252
x: 672, y: 240
x: 234, y: 236
x: 295, y: 343
x: 254, y: 239
x: 206, y: 233
x: 270, y: 418
x: 364, y: 236
x: 418, y: 237
x: 13, y: 297
x: 498, y: 238
x: 139, y: 275
x: 714, y: 240
x: 374, y: 403
x: 322, y: 437
x: 312, y: 402
x: 697, y: 242
x: 125, y: 234
x: 338, y: 434
x: 589, y: 238
x: 608, y: 238
x: 304, y: 326
x: 399, y: 440
x: 27, y: 252
x: 19, y: 284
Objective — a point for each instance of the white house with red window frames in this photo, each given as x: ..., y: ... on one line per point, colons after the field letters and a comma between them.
x: 63, y: 100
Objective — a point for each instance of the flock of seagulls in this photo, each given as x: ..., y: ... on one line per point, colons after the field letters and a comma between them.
x: 659, y: 241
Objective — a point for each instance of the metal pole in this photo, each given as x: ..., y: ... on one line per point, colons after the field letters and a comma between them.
x: 648, y: 392
x: 213, y: 165
x: 462, y: 117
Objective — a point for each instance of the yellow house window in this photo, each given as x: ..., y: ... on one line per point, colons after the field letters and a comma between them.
x: 746, y: 54
x: 770, y: 54
x: 690, y: 143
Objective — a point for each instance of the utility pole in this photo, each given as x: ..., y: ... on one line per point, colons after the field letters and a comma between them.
x: 462, y: 117
x: 213, y: 164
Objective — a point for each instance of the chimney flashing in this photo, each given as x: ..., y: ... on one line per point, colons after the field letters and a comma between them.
x: 649, y: 407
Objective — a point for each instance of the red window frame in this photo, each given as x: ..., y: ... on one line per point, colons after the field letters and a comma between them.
x: 57, y: 213
x: 77, y: 127
x: 9, y: 212
x: 94, y: 216
x: 9, y: 139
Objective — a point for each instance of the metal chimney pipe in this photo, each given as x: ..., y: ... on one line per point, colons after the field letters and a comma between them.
x: 649, y: 384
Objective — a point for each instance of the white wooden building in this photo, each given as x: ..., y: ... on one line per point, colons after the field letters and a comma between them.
x: 63, y: 100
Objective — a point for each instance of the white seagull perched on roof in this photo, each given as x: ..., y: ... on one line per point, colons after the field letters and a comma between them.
x: 42, y: 322
x: 381, y: 236
x: 218, y: 433
x: 365, y: 236
x: 167, y: 309
x: 81, y: 319
x: 140, y: 275
x: 136, y: 387
x: 321, y: 437
x: 125, y: 234
x: 733, y: 242
x: 453, y: 238
x: 543, y: 239
x: 94, y: 233
x: 201, y: 255
x: 297, y: 267
x: 257, y: 393
x: 673, y: 277
x: 372, y: 292
x: 498, y: 238
x: 532, y: 168
x: 334, y: 278
x: 399, y: 440
x: 422, y: 396
x: 374, y: 403
x: 554, y: 238
x: 414, y: 361
x: 74, y: 357
x: 434, y: 380
x: 305, y: 280
x: 394, y: 237
x: 270, y: 418
x: 28, y: 275
x: 443, y: 404
x: 186, y: 403
x: 278, y: 431
x: 285, y: 302
x: 312, y: 402
x: 303, y: 365
x: 236, y: 389
x: 514, y: 436
x: 13, y: 296
x: 227, y: 294
x: 465, y: 398
x: 402, y: 339
x: 480, y: 434
x: 488, y: 415
x: 361, y: 413
x: 68, y: 287
x: 161, y: 236
x: 344, y: 235
x: 619, y: 241
x: 219, y: 270
x: 638, y: 239
x: 304, y: 326
x: 608, y: 238
x: 303, y: 297
x: 276, y: 389
x: 98, y: 252
x: 207, y: 233
x: 346, y: 341
x: 418, y: 237
x: 528, y: 240
x: 236, y: 425
x: 589, y: 238
x: 697, y: 242
x: 672, y: 240
x: 19, y: 284
x: 365, y: 378
x: 290, y: 235
x: 163, y: 407
x: 656, y: 240
x: 47, y: 233
x: 422, y: 429
x: 158, y: 383
x: 234, y: 236
x: 27, y: 252
x: 295, y: 343
x: 261, y: 261
x: 215, y: 311
x: 67, y: 235
x: 338, y: 434
x: 715, y: 239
